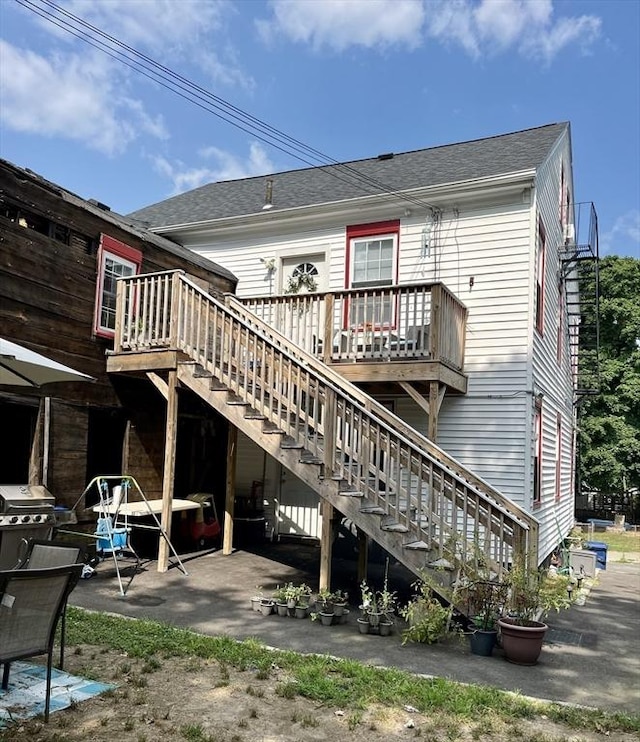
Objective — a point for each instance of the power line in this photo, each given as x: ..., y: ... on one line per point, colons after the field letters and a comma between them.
x: 208, y: 101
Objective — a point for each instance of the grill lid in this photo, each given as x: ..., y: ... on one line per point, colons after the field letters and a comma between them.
x: 25, y: 495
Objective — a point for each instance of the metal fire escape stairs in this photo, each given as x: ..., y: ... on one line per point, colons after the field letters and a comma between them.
x: 579, y: 261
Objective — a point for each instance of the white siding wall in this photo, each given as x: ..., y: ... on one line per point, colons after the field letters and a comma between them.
x: 487, y: 429
x: 551, y: 378
x: 485, y: 255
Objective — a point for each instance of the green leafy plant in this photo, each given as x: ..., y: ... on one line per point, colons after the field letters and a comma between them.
x: 428, y: 620
x: 340, y: 597
x: 385, y: 598
x: 484, y: 601
x: 368, y: 603
x: 533, y: 593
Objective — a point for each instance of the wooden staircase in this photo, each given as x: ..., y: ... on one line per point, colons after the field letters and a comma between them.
x: 394, y: 484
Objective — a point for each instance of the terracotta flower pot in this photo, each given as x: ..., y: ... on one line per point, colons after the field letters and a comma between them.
x: 522, y: 644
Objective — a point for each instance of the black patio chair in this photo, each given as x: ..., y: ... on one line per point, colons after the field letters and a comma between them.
x: 44, y: 554
x: 31, y: 604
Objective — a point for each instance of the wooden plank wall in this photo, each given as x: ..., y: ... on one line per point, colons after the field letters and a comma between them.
x: 48, y: 273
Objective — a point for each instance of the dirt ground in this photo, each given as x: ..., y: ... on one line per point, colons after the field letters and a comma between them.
x: 203, y: 701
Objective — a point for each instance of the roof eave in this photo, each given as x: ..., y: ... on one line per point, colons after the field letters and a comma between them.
x: 430, y: 197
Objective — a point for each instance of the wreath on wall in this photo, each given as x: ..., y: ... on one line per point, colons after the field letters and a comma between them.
x: 303, y: 276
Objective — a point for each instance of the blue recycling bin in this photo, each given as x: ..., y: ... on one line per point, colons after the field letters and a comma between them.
x: 600, y: 549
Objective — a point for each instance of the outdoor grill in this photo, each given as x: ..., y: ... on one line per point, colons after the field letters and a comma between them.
x: 26, y: 511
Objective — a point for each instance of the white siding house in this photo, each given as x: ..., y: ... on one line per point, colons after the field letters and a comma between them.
x: 488, y: 219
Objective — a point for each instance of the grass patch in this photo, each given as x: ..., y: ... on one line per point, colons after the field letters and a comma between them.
x: 628, y: 542
x: 332, y: 682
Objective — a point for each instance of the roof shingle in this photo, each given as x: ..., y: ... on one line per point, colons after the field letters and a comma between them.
x: 452, y: 163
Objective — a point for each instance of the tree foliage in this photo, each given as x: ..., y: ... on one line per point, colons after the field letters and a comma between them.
x: 609, y: 422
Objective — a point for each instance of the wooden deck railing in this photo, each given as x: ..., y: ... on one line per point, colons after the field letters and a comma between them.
x: 369, y: 449
x: 422, y: 321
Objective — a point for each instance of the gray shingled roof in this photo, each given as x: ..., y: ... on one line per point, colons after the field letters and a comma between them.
x: 451, y: 163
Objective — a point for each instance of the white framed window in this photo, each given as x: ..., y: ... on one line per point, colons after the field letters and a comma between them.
x: 373, y: 259
x: 115, y: 260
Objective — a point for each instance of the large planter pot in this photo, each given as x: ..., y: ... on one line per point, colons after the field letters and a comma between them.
x: 363, y: 625
x: 482, y: 641
x: 522, y: 644
x: 301, y: 611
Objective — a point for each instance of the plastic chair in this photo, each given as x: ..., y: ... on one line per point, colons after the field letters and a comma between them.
x: 31, y: 604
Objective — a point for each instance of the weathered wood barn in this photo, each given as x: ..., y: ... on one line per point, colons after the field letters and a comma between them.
x: 60, y: 256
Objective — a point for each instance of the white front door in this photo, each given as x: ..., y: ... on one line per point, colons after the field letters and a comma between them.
x: 302, y: 320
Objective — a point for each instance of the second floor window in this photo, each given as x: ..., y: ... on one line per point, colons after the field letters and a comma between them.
x: 115, y: 260
x: 372, y: 250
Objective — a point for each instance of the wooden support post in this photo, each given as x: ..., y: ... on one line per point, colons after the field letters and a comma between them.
x: 327, y: 337
x: 434, y: 408
x: 229, y: 500
x: 363, y: 556
x: 169, y: 469
x: 326, y: 545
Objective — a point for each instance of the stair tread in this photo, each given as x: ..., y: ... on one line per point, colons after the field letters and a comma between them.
x: 395, y: 528
x: 417, y: 545
x: 373, y: 510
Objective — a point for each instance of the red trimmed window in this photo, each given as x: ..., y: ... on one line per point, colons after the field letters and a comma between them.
x: 372, y: 262
x: 540, y: 264
x: 537, y: 453
x: 115, y: 259
x: 558, y: 456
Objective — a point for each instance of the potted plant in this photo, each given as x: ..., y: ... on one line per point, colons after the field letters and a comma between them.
x: 484, y: 600
x: 531, y: 595
x: 281, y: 597
x: 302, y: 598
x: 386, y: 603
x: 369, y: 611
x: 428, y: 620
x: 339, y: 598
x: 256, y: 599
x: 324, y: 601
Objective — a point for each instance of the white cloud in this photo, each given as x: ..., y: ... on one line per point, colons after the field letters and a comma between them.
x: 480, y: 27
x: 226, y: 166
x: 184, y: 30
x: 70, y: 89
x: 343, y: 23
x: 624, y: 236
x: 70, y: 96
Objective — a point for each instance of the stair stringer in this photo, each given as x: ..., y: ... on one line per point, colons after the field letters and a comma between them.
x: 416, y: 560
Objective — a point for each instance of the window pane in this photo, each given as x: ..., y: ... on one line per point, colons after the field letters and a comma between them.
x: 114, y: 268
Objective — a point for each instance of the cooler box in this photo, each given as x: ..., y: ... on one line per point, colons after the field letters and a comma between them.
x: 600, y: 549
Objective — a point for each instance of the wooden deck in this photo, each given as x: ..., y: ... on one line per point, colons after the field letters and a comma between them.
x: 396, y: 485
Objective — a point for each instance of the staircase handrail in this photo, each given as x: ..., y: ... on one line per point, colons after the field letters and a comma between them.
x: 369, y: 404
x: 184, y: 325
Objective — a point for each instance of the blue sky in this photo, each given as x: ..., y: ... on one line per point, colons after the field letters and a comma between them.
x: 351, y: 78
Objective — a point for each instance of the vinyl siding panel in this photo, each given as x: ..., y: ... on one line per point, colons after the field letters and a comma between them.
x: 485, y: 254
x: 551, y: 378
